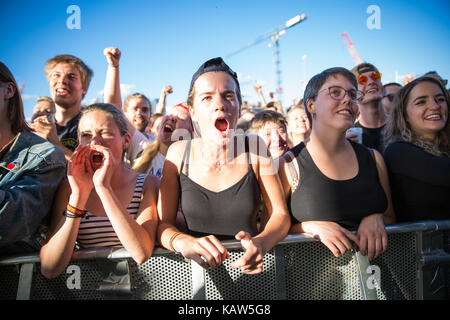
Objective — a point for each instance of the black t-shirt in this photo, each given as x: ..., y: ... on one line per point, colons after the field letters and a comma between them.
x: 420, y: 182
x: 68, y: 135
x: 372, y: 137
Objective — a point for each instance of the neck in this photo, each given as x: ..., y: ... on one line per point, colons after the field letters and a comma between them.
x: 297, y: 138
x: 64, y: 115
x: 327, y: 140
x: 216, y: 153
x: 372, y: 114
x: 163, y: 148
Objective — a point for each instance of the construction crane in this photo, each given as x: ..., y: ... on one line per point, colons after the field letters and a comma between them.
x: 275, y: 37
x: 351, y: 48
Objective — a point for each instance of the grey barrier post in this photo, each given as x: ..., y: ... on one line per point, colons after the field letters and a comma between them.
x: 363, y: 264
x: 25, y: 281
x: 198, y: 281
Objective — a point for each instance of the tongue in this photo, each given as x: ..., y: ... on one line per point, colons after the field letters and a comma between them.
x: 221, y: 124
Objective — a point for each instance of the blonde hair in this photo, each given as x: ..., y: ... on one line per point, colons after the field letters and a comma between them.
x: 85, y: 72
x: 398, y: 129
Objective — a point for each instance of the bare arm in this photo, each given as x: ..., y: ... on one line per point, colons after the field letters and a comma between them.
x: 111, y: 91
x: 161, y: 105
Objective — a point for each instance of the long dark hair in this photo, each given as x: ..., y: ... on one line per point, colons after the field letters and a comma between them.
x: 15, y: 112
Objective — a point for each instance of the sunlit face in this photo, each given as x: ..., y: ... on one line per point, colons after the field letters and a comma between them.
x: 215, y: 105
x: 99, y: 128
x: 66, y: 87
x: 298, y: 122
x: 329, y: 112
x: 275, y: 137
x: 176, y: 119
x: 138, y: 112
x: 426, y: 110
x: 373, y: 89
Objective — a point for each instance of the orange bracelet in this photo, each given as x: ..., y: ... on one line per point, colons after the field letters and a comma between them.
x: 176, y: 234
x: 75, y: 210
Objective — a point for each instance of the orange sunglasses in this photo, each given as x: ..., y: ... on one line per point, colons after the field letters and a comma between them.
x: 362, y: 79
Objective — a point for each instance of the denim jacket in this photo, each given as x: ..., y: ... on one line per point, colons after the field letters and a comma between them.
x: 30, y: 173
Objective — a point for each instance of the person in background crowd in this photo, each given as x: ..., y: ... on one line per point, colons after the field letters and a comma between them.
x: 154, y: 124
x: 271, y: 127
x: 389, y: 91
x: 174, y: 125
x: 372, y: 117
x: 44, y: 107
x: 103, y: 203
x: 219, y: 177
x: 68, y: 78
x: 31, y: 168
x: 333, y: 184
x: 298, y: 125
x: 418, y: 151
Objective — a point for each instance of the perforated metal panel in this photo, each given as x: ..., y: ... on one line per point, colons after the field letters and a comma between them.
x: 227, y: 283
x: 313, y: 273
x: 166, y: 277
x: 399, y: 268
x: 9, y: 277
x: 57, y: 288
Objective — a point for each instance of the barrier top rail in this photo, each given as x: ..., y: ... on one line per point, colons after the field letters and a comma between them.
x: 121, y: 253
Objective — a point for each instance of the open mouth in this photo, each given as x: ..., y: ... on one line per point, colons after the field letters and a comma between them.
x: 222, y: 125
x: 62, y: 92
x: 167, y: 129
x: 96, y: 159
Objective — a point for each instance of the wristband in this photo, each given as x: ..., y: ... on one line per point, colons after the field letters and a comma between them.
x: 176, y: 234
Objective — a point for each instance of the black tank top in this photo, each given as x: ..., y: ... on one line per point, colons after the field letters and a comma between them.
x: 346, y: 202
x: 223, y: 213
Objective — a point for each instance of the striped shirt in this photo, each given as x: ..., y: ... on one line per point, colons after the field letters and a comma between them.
x: 97, y: 232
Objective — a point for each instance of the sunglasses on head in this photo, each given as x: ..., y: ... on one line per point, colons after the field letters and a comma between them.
x: 362, y: 79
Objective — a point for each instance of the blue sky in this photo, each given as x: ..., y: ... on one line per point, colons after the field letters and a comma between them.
x: 164, y: 42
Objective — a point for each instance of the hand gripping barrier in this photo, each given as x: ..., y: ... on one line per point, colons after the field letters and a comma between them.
x: 415, y: 267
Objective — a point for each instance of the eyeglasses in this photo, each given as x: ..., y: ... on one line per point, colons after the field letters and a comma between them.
x: 389, y: 96
x: 338, y: 93
x: 362, y: 79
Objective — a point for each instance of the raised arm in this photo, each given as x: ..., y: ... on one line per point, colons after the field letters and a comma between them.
x: 258, y: 90
x: 161, y: 105
x: 111, y: 91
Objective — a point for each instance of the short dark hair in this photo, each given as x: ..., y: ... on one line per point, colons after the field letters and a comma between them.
x: 266, y: 116
x: 316, y: 82
x: 391, y: 84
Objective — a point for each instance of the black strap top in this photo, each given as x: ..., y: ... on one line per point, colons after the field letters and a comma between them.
x: 319, y: 198
x: 223, y: 213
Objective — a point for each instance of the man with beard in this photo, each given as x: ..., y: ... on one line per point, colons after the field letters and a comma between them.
x: 68, y: 79
x: 372, y: 116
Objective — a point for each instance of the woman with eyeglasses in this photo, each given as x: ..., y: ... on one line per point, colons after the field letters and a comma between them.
x: 332, y: 184
x: 418, y: 151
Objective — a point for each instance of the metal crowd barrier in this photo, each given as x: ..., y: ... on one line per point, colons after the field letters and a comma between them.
x: 415, y: 267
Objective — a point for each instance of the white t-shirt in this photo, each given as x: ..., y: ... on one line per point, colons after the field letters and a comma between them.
x: 157, y: 165
x: 137, y: 144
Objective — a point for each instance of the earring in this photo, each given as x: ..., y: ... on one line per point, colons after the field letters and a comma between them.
x: 312, y: 107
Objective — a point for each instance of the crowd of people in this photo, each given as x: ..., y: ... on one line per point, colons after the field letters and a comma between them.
x: 214, y: 168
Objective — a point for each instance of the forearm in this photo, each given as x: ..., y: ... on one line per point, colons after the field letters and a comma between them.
x: 111, y: 91
x: 132, y: 235
x: 275, y: 230
x: 57, y: 252
x: 161, y: 105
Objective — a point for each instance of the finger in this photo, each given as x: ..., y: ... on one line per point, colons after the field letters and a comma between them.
x: 352, y: 237
x: 223, y: 251
x: 212, y: 253
x: 332, y: 247
x: 363, y: 245
x: 371, y: 244
x: 199, y: 260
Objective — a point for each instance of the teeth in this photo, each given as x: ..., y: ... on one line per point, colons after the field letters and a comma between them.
x: 433, y: 116
x: 345, y: 112
x: 371, y: 90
